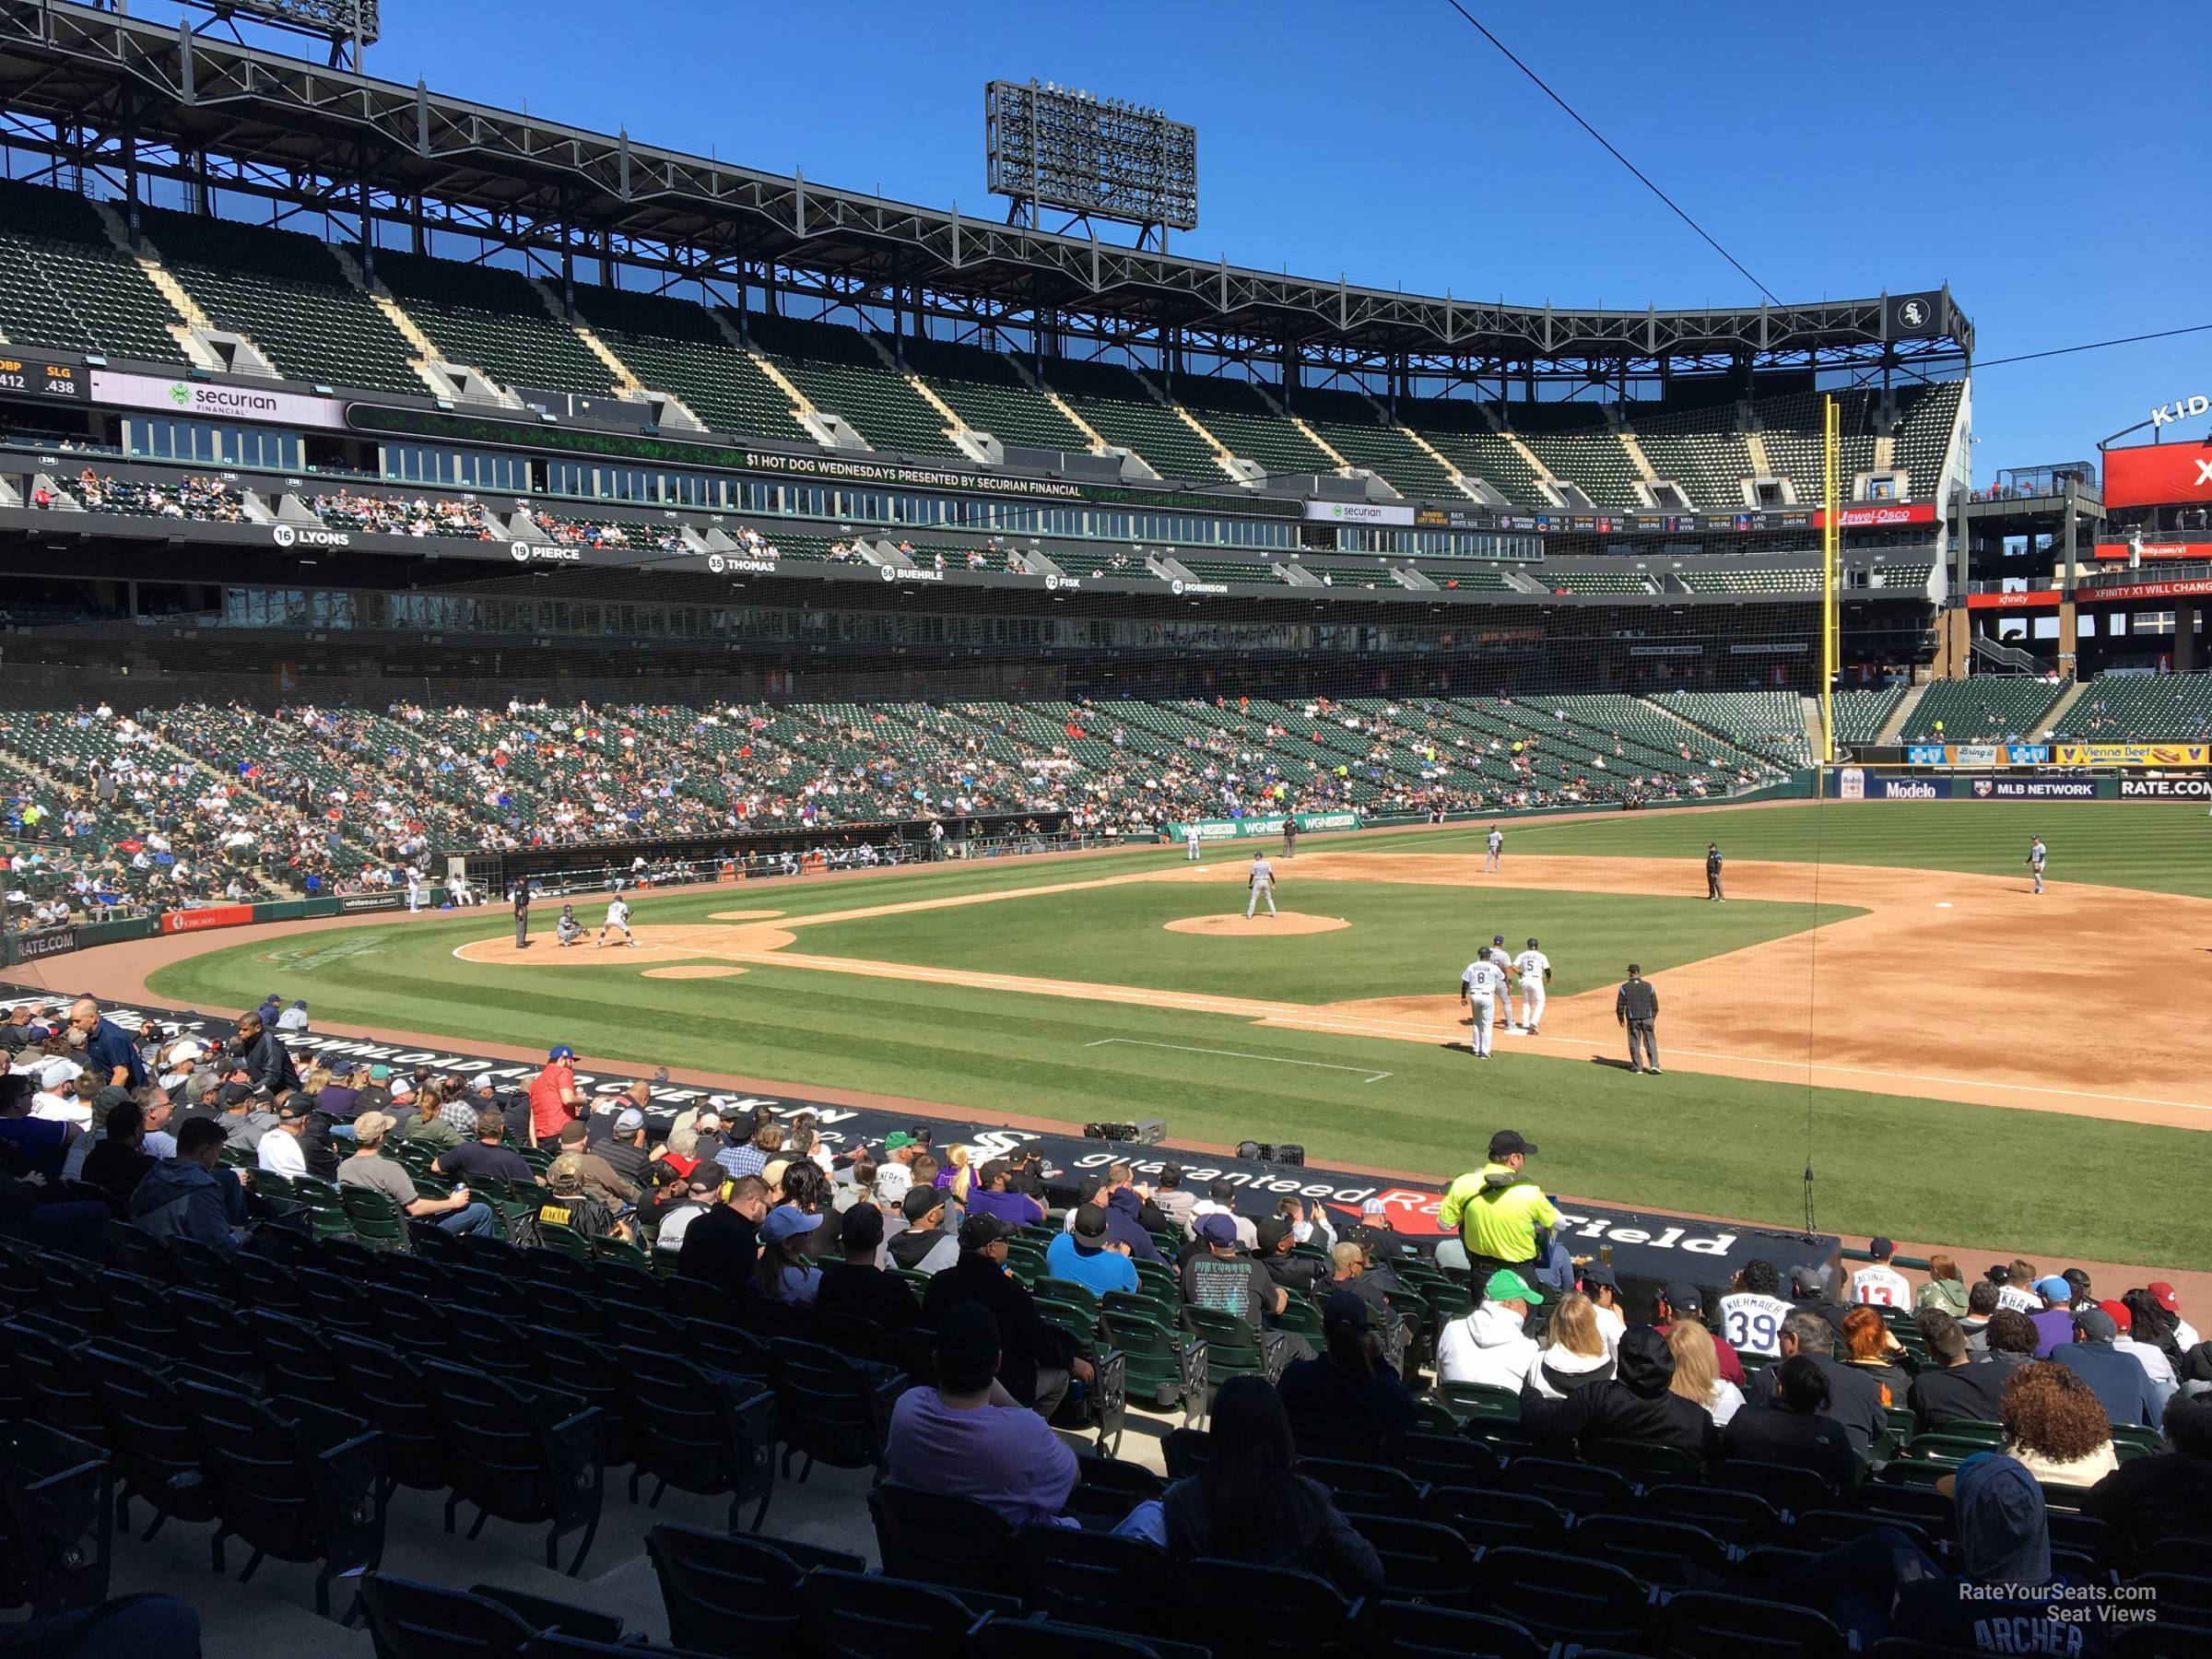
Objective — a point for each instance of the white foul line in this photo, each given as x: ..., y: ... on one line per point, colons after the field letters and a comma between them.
x: 1233, y: 1055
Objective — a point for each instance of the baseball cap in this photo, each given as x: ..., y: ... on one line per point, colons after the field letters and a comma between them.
x: 1091, y: 1222
x: 993, y: 1169
x: 1507, y: 1142
x: 375, y: 1125
x: 2096, y: 1324
x: 404, y: 1089
x: 2000, y: 1506
x: 1497, y: 938
x: 1171, y: 1174
x: 565, y: 1173
x: 560, y: 1050
x: 787, y: 1220
x: 1809, y: 1281
x: 1683, y: 1297
x: 1597, y: 1273
x: 1273, y: 1231
x: 629, y: 1121
x: 290, y: 1111
x: 1216, y: 1229
x: 1532, y: 944
x: 707, y: 1178
x: 2054, y: 1289
x: 2163, y: 1294
x: 1375, y: 1206
x: 920, y: 1201
x: 896, y: 1140
x: 772, y: 1173
x: 1505, y: 1284
x: 1343, y: 1310
x: 863, y: 1228
x: 2117, y: 1311
x: 57, y: 1072
x: 380, y: 1074
x: 233, y: 1093
x: 980, y: 1233
x: 1881, y: 1247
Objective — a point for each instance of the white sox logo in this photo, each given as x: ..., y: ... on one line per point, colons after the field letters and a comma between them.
x: 1913, y: 313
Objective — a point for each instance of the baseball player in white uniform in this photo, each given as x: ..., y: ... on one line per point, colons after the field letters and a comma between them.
x: 1502, y: 959
x: 414, y: 890
x: 1534, y: 969
x: 618, y: 921
x: 568, y: 930
x: 1496, y: 845
x: 1189, y: 841
x: 1261, y: 880
x: 2035, y: 859
x: 1482, y: 983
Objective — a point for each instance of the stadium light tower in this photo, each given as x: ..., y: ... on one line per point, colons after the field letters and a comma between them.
x: 348, y: 27
x: 1091, y: 157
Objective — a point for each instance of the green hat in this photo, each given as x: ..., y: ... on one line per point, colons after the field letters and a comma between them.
x: 897, y: 1140
x: 377, y: 1074
x: 1505, y: 1284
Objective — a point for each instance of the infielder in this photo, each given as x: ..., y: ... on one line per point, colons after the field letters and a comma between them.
x: 1189, y: 841
x: 1261, y: 880
x: 2035, y: 859
x: 1480, y: 985
x: 1534, y: 969
x: 568, y: 930
x: 618, y: 921
x: 1496, y: 845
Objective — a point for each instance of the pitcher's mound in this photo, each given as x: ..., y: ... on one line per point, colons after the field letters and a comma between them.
x: 1260, y: 927
x: 698, y: 971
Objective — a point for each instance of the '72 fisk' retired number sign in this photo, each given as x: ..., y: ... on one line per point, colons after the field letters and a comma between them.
x: 40, y: 380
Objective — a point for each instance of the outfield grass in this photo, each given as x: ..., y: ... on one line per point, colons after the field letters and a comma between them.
x: 1404, y: 940
x: 2043, y: 1183
x: 2162, y: 845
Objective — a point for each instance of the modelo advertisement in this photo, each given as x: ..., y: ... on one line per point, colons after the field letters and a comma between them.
x: 1856, y: 784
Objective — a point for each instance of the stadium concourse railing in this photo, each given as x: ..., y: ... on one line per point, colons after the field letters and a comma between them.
x: 552, y: 875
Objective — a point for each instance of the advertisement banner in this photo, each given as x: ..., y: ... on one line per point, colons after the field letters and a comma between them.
x: 2135, y: 754
x: 52, y: 941
x: 1927, y: 754
x: 1268, y: 824
x: 349, y: 903
x: 916, y: 477
x: 2157, y: 475
x: 2024, y: 788
x: 1975, y: 754
x: 1878, y: 515
x: 2027, y: 754
x: 2023, y: 599
x: 2120, y: 549
x: 215, y: 915
x: 1856, y: 784
x: 2166, y: 789
x: 208, y: 401
x: 2195, y: 588
x: 1358, y: 512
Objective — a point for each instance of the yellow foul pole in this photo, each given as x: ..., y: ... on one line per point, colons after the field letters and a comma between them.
x: 1831, y: 542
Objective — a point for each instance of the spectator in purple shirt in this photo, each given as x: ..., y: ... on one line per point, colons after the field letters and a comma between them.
x: 2054, y: 1325
x: 969, y: 1437
x: 990, y: 1197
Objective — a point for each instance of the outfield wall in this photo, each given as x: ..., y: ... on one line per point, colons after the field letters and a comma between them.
x: 1876, y: 783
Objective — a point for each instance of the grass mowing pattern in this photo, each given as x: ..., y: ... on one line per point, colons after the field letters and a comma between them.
x: 1713, y: 1145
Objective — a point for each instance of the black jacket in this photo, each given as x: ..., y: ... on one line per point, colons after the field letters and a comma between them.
x: 1854, y: 1399
x: 1026, y: 1343
x: 1636, y: 1405
x: 1304, y: 1532
x: 720, y: 1249
x: 269, y: 1065
x: 1769, y: 1434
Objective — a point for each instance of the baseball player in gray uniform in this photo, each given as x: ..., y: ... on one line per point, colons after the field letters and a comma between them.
x: 1502, y: 959
x: 1535, y: 970
x: 2035, y: 859
x: 1496, y: 844
x: 1260, y: 878
x: 1482, y: 983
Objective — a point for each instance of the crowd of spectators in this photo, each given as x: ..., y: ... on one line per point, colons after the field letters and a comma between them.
x: 396, y: 515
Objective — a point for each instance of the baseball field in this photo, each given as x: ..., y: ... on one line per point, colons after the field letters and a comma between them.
x: 1961, y: 1058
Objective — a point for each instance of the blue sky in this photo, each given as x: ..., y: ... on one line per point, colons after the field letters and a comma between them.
x: 1836, y: 152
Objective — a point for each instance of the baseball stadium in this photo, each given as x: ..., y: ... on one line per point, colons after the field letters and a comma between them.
x: 856, y: 916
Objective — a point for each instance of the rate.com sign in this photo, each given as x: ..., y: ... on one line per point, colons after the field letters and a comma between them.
x: 2156, y: 475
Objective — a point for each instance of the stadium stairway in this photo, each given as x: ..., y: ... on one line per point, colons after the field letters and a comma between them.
x: 1815, y: 733
x: 2060, y: 709
x: 1893, y: 726
x: 393, y: 313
